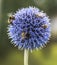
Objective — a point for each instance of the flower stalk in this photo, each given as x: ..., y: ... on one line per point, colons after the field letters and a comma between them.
x: 26, y: 54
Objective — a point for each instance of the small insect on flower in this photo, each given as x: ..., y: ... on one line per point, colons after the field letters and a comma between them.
x: 31, y: 28
x: 23, y: 35
x: 44, y: 26
x: 40, y: 14
x: 11, y: 18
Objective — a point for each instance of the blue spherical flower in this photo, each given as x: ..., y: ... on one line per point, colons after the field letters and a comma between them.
x: 29, y: 28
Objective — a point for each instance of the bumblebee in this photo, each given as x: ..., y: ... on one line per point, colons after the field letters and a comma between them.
x: 11, y: 18
x: 40, y: 14
x: 44, y: 26
x: 25, y: 35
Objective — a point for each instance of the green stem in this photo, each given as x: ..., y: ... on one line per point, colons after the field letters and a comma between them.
x: 26, y: 56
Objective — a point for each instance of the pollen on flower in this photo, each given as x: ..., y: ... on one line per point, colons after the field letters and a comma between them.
x: 30, y: 29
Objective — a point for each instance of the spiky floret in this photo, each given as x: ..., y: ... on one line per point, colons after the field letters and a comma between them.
x: 29, y: 28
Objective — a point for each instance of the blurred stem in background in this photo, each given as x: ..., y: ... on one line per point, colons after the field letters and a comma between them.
x: 0, y: 9
x: 0, y: 16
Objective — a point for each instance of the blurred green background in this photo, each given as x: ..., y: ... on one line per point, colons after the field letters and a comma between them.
x: 10, y: 55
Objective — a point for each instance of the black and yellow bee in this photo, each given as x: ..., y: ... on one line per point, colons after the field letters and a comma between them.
x: 25, y: 35
x: 44, y: 26
x: 11, y: 18
x: 40, y: 14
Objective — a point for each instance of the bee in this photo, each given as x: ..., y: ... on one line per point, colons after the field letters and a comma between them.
x: 40, y: 14
x: 11, y: 18
x: 23, y: 35
x: 44, y: 26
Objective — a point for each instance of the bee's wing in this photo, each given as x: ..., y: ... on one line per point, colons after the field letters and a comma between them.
x: 9, y: 14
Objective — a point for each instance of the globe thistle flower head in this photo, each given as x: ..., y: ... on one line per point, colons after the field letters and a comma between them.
x: 29, y: 28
